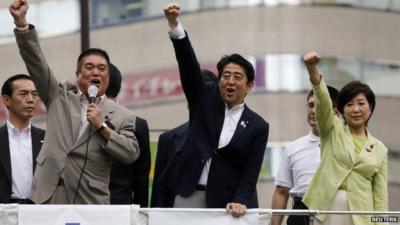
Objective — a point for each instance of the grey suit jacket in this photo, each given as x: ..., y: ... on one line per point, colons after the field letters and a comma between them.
x: 61, y: 159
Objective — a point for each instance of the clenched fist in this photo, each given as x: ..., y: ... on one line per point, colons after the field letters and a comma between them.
x: 171, y: 12
x: 18, y: 10
x: 311, y: 59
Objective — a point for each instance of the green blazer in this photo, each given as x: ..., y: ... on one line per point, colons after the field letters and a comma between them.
x: 366, y: 171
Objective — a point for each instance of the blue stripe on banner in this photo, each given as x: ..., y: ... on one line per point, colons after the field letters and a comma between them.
x: 72, y: 223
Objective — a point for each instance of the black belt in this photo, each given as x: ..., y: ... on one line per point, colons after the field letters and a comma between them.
x: 200, y: 187
x: 298, y: 204
x: 21, y: 201
x: 297, y: 199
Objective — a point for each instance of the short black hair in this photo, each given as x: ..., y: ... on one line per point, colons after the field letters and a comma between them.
x: 333, y: 94
x: 8, y: 88
x: 239, y: 60
x: 115, y: 80
x: 209, y: 76
x: 91, y: 51
x: 352, y: 89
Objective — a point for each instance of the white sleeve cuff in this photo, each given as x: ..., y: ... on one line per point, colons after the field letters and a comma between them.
x: 177, y: 32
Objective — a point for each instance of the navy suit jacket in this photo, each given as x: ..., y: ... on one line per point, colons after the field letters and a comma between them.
x: 126, y: 180
x: 169, y: 143
x: 235, y: 168
x: 37, y: 136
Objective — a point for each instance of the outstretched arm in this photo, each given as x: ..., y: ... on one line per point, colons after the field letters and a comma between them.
x: 31, y: 53
x: 189, y: 67
x: 324, y: 109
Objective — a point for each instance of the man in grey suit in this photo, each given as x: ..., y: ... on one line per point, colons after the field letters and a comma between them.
x: 82, y: 137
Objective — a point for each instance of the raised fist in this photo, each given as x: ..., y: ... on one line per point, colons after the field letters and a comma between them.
x: 171, y: 12
x: 311, y: 59
x: 18, y: 10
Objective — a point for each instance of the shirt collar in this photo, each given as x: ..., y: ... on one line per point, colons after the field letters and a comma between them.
x: 13, y: 130
x: 84, y: 99
x: 312, y: 137
x: 234, y: 108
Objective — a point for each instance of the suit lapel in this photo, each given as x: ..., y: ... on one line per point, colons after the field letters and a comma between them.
x: 244, y: 121
x: 5, y: 159
x: 75, y: 110
x: 351, y: 145
x: 220, y: 114
x: 106, y: 110
x: 36, y: 144
x: 368, y: 149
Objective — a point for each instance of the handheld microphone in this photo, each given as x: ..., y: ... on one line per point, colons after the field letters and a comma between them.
x: 92, y: 92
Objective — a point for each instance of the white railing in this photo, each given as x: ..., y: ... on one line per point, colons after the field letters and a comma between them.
x: 14, y: 214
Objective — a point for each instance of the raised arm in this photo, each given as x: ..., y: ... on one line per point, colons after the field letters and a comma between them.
x: 323, y: 109
x: 189, y: 67
x: 31, y: 52
x: 311, y: 60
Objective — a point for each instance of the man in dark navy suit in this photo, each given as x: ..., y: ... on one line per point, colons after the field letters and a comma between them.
x: 169, y: 143
x: 222, y: 155
x: 20, y: 141
x: 129, y: 184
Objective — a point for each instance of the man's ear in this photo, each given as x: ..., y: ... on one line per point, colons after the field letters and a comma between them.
x: 250, y: 85
x: 6, y: 100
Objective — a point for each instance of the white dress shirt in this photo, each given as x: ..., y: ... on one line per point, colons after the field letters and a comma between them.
x: 177, y: 32
x: 300, y: 160
x: 20, y: 143
x: 231, y: 120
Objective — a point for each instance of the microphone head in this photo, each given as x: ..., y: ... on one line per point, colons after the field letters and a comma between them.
x: 92, y: 91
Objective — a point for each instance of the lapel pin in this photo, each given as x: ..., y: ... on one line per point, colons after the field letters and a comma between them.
x: 369, y: 148
x: 243, y: 124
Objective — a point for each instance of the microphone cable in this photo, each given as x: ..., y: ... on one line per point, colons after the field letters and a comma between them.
x: 84, y: 164
x: 92, y: 93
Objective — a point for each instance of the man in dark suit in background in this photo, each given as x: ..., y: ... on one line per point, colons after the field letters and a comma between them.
x: 221, y: 158
x: 169, y: 143
x: 129, y: 184
x: 20, y: 141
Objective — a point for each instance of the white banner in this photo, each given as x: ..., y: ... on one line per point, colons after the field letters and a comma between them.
x: 8, y: 214
x: 74, y: 214
x: 200, y: 217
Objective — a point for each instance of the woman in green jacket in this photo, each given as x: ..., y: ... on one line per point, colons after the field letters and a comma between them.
x: 352, y: 175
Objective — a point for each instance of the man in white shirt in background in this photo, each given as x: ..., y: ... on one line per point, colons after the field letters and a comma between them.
x: 20, y: 141
x: 299, y: 161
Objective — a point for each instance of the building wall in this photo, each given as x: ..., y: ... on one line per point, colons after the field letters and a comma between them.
x: 332, y: 31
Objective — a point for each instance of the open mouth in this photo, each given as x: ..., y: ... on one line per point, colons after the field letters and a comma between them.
x: 95, y: 82
x: 230, y: 91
